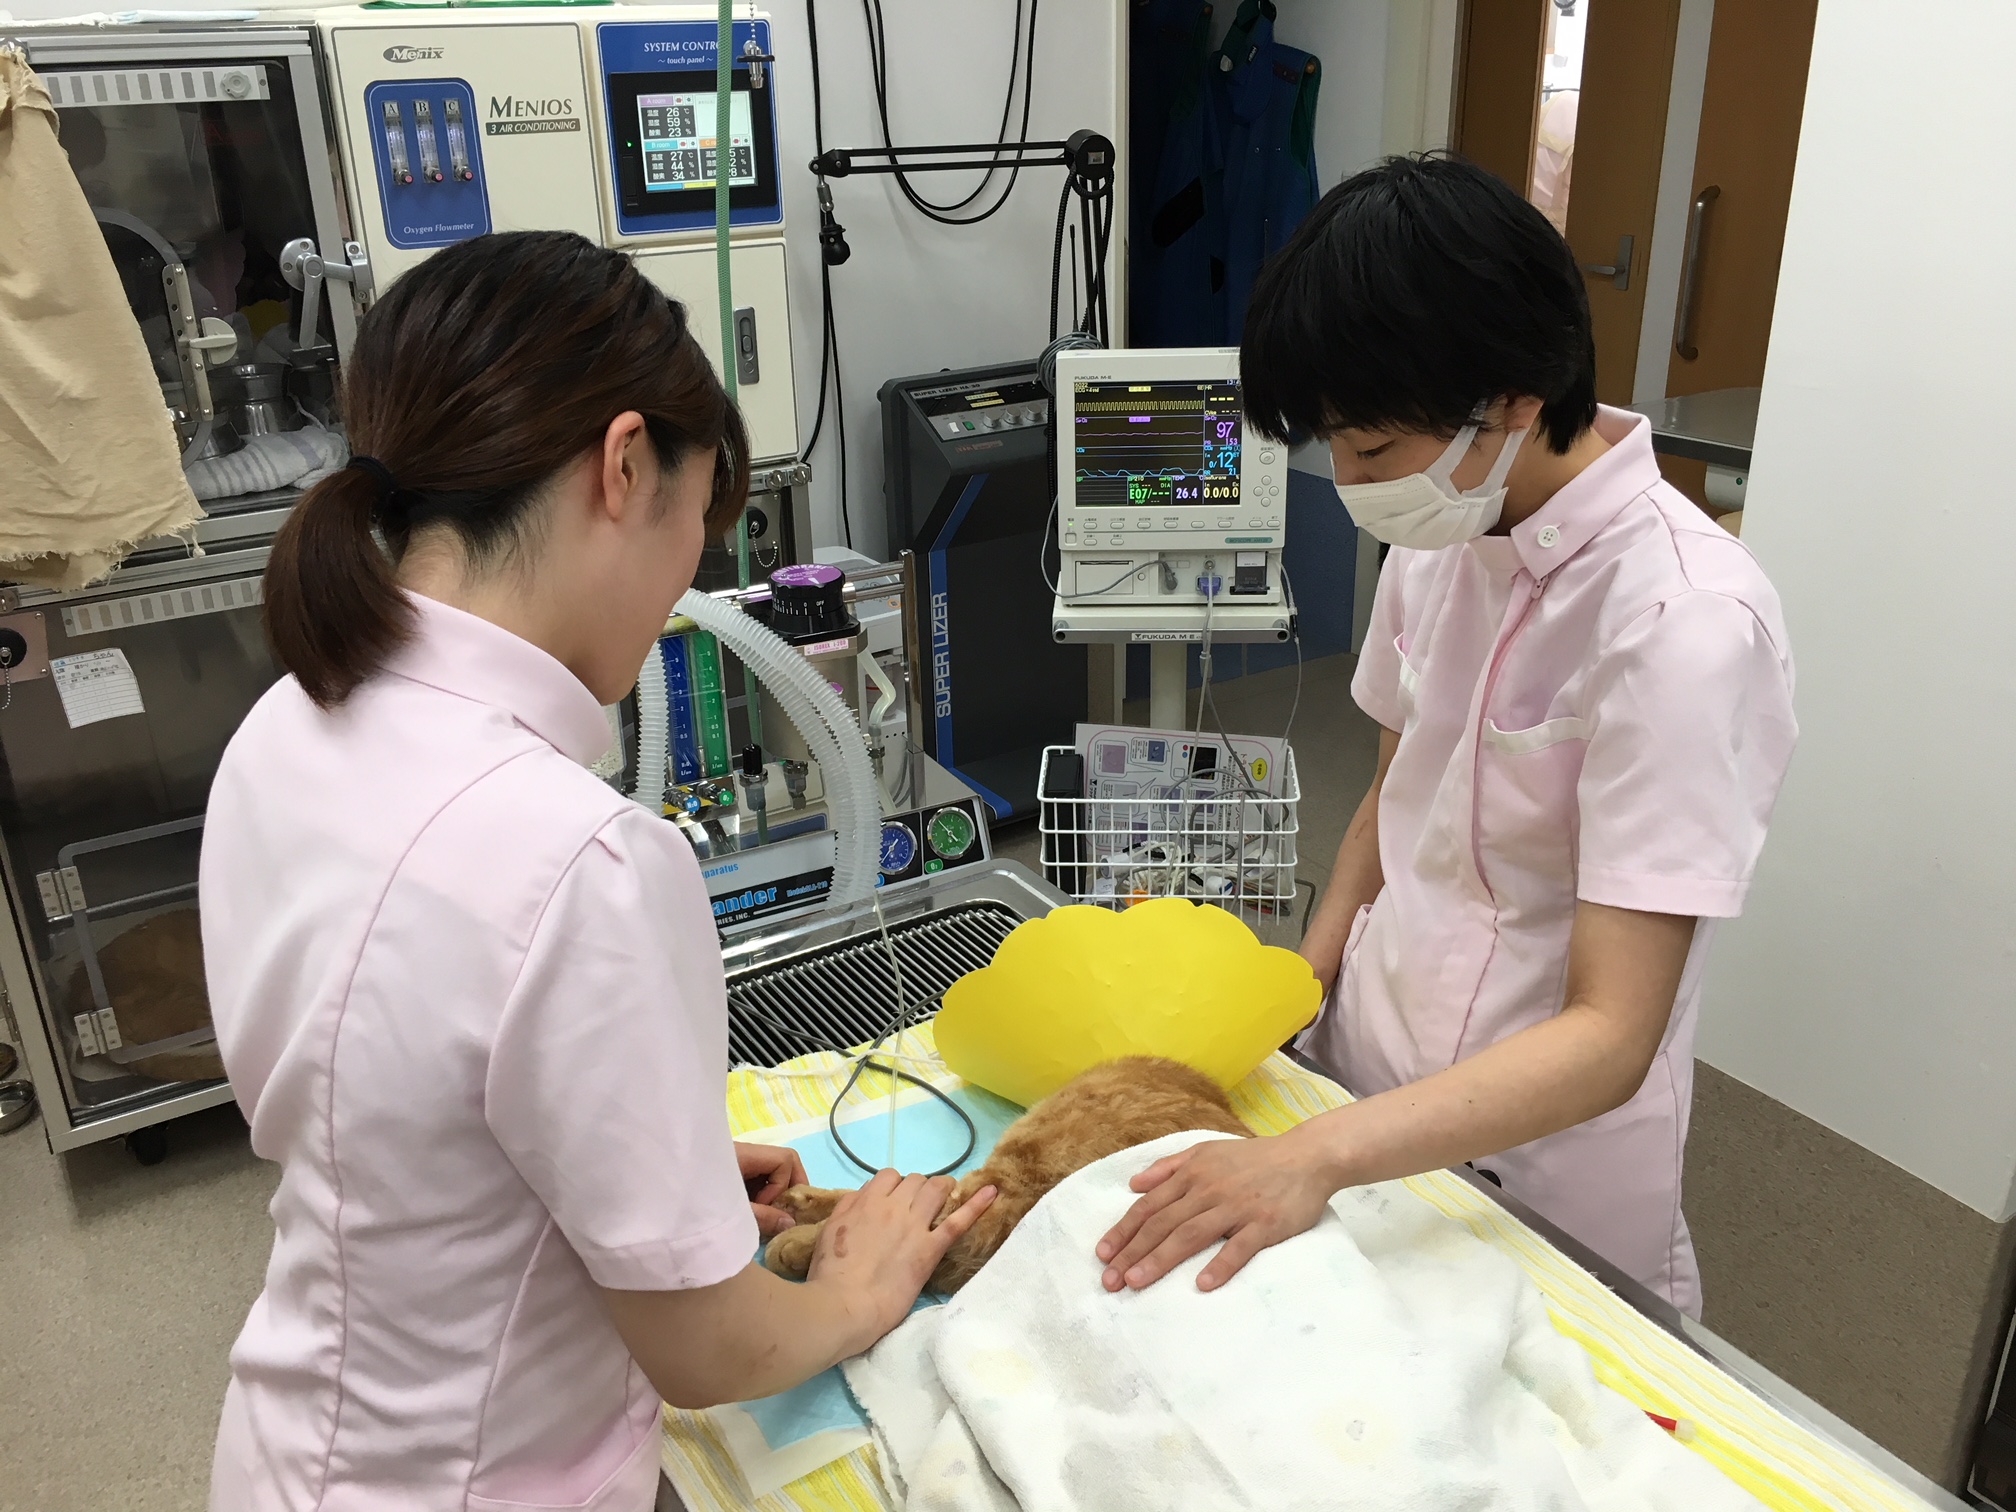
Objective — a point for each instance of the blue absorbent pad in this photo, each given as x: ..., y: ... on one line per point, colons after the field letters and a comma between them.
x: 927, y: 1135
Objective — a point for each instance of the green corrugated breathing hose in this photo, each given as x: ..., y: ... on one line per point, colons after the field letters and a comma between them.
x: 724, y: 170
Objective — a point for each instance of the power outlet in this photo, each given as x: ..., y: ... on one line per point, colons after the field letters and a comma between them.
x: 24, y: 646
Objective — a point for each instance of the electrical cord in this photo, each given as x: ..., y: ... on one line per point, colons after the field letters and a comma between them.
x: 878, y: 64
x: 832, y: 250
x: 1057, y: 254
x: 866, y: 1060
x: 1132, y: 568
x: 862, y: 1062
x: 1092, y: 255
x: 1043, y: 546
x: 1294, y: 639
x: 1046, y: 375
x: 897, y: 1024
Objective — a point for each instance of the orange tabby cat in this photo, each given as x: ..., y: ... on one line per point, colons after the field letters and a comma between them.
x: 1112, y: 1107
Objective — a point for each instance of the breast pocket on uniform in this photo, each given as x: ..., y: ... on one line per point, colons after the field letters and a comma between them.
x: 1527, y: 783
x: 1518, y: 742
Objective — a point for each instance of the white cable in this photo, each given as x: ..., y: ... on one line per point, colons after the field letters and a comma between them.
x: 1204, y: 656
x: 1043, y: 550
x: 1296, y: 637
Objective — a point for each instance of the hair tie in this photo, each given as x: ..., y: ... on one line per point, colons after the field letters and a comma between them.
x: 377, y: 472
x: 389, y: 491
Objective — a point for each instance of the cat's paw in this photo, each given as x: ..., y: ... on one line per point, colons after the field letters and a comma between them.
x: 790, y: 1253
x: 809, y: 1204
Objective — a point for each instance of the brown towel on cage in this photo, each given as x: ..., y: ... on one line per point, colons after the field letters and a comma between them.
x: 154, y: 977
x: 89, y: 464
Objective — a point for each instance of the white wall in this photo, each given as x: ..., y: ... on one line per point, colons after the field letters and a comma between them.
x: 1872, y: 983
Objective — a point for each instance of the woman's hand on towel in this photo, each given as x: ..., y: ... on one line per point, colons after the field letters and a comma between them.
x: 879, y: 1248
x: 769, y: 1171
x: 1249, y: 1192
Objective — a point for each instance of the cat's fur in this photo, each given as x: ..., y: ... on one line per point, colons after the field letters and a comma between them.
x: 1112, y: 1107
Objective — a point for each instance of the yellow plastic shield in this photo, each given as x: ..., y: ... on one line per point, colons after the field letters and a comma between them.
x: 1166, y: 977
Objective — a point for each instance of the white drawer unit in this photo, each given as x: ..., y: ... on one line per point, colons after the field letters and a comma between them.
x: 762, y: 345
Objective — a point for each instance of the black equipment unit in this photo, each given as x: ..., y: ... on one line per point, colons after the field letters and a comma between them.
x: 967, y: 481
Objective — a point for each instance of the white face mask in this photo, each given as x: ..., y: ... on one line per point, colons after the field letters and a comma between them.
x: 1422, y: 510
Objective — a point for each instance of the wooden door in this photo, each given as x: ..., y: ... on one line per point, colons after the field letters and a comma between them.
x: 1497, y: 109
x: 1620, y: 132
x: 1751, y: 105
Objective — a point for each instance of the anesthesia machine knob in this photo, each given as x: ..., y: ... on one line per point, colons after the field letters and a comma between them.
x: 809, y: 603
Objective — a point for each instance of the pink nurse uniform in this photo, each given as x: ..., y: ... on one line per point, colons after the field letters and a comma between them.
x: 471, y: 1002
x: 1597, y: 706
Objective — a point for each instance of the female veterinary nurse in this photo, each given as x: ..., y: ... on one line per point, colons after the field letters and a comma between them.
x: 469, y: 996
x: 1586, y: 697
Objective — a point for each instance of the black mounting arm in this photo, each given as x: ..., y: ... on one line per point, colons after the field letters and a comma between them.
x: 1087, y: 157
x: 1087, y: 154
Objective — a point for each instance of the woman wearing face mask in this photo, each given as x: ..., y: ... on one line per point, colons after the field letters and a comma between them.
x: 470, y: 996
x: 1586, y: 699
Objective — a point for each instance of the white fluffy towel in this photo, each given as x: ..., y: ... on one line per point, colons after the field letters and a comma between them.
x: 1386, y: 1361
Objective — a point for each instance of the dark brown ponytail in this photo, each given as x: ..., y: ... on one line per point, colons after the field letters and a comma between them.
x: 478, y: 376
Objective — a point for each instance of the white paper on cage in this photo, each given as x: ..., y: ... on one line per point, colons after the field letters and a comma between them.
x: 96, y: 685
x: 1172, y: 812
x: 1125, y: 761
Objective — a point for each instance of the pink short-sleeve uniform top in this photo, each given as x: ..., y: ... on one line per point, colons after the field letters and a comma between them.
x: 1596, y: 706
x: 471, y: 1002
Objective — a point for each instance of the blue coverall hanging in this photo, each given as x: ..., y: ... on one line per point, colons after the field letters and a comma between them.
x: 1261, y: 134
x: 1176, y: 270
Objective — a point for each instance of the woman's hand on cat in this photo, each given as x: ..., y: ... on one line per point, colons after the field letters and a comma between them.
x: 879, y: 1247
x: 768, y: 1172
x: 1249, y: 1192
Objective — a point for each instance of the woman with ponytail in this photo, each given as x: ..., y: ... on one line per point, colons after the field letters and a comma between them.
x: 469, y: 997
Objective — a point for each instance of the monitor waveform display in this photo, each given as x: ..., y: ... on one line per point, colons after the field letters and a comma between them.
x: 1159, y: 444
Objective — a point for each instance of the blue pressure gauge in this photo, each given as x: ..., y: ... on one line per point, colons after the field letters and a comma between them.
x: 899, y: 848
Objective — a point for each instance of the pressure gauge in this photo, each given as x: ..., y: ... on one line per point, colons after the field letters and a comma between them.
x: 899, y: 848
x: 952, y: 833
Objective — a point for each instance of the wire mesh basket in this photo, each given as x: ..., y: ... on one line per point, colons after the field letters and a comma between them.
x: 1235, y: 849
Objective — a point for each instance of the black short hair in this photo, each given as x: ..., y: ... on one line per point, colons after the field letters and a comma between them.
x: 1414, y: 292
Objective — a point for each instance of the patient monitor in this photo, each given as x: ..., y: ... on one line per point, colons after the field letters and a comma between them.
x: 1170, y: 515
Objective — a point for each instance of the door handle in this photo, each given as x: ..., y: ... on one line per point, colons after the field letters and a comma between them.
x: 1690, y: 273
x: 1619, y: 272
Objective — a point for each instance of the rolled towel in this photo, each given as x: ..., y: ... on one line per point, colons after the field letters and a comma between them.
x: 266, y: 463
